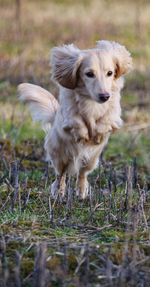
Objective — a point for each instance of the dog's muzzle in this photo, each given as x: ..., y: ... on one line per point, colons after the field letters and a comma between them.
x: 103, y: 97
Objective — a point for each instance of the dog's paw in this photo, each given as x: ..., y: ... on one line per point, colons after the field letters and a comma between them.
x: 103, y: 128
x: 79, y: 136
x: 77, y: 133
x: 62, y: 191
x: 83, y: 141
x: 83, y: 192
x: 54, y: 189
x: 98, y: 138
x: 117, y: 124
x: 57, y: 189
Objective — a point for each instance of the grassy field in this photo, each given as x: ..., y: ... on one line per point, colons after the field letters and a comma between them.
x: 105, y: 240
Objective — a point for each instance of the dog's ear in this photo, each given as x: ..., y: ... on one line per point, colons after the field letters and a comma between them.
x: 120, y: 54
x: 65, y: 62
x: 123, y: 60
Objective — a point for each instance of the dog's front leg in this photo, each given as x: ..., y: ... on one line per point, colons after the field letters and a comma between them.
x: 62, y: 185
x: 59, y: 186
x: 104, y: 127
x: 82, y: 185
x: 77, y: 129
x: 90, y: 124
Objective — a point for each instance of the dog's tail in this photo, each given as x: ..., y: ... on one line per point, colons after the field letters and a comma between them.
x: 42, y: 104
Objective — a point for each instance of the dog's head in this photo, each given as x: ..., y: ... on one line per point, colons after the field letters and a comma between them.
x: 94, y: 72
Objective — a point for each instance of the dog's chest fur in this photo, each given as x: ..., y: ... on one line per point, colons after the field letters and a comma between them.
x: 99, y: 119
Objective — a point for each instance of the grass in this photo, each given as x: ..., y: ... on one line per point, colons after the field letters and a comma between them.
x: 73, y: 235
x: 104, y: 240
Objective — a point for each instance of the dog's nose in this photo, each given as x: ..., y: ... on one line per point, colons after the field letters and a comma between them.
x: 103, y: 97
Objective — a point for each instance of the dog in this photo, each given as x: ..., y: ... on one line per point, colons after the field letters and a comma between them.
x: 78, y: 126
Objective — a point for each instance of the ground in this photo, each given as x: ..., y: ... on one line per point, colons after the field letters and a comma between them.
x: 104, y: 240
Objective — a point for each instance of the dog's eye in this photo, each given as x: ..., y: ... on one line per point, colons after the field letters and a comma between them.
x: 90, y: 74
x: 109, y: 73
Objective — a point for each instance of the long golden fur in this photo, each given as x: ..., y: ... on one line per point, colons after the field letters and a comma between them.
x: 88, y: 111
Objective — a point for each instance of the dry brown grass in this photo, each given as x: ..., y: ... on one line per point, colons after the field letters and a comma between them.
x: 48, y: 23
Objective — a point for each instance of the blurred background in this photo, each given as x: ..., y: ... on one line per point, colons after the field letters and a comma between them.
x: 30, y: 28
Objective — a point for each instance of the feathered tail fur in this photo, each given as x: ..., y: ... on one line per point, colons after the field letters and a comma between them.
x: 42, y: 104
